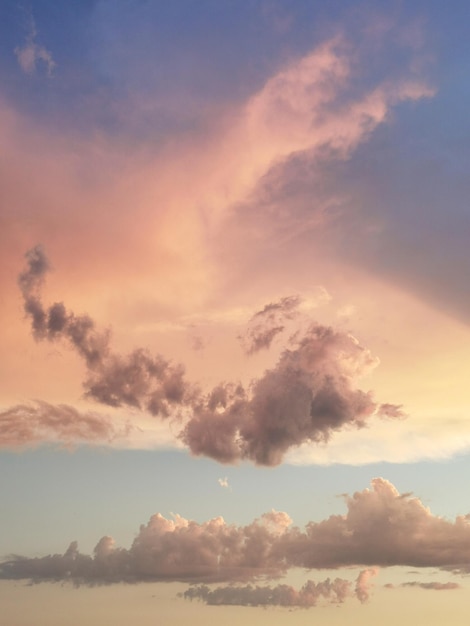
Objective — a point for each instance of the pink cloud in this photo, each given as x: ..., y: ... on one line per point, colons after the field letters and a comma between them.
x: 363, y: 583
x: 25, y: 425
x: 266, y: 324
x: 308, y: 395
x: 30, y: 54
x: 381, y: 528
x: 176, y: 549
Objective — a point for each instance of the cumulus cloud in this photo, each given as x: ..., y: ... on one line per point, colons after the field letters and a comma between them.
x: 381, y: 528
x: 177, y: 549
x: 31, y: 424
x: 310, y: 594
x: 31, y: 53
x: 308, y: 395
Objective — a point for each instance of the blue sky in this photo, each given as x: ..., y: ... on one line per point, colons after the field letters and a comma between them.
x: 96, y: 489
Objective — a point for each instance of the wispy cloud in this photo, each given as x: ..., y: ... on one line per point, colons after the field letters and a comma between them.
x: 266, y: 324
x: 26, y: 425
x: 32, y: 54
x: 433, y: 586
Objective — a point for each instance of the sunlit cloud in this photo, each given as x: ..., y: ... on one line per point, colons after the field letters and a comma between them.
x: 308, y: 395
x: 381, y: 528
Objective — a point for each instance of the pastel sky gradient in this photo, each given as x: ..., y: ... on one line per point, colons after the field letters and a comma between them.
x: 234, y: 309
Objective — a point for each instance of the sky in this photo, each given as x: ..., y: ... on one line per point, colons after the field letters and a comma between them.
x: 235, y: 325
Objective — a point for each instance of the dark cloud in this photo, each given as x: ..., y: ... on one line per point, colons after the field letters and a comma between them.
x: 30, y: 282
x: 37, y: 267
x: 308, y: 395
x: 381, y: 528
x: 55, y: 322
x: 138, y: 379
x: 30, y: 424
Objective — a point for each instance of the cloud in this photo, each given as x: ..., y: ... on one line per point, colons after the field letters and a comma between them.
x: 393, y: 411
x: 31, y: 53
x: 381, y: 528
x: 307, y: 115
x: 223, y: 482
x: 435, y: 586
x: 310, y: 594
x: 308, y: 105
x: 109, y: 183
x: 137, y: 380
x: 31, y: 424
x: 269, y: 322
x: 308, y: 395
x: 55, y: 322
x: 363, y: 585
x: 177, y: 549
